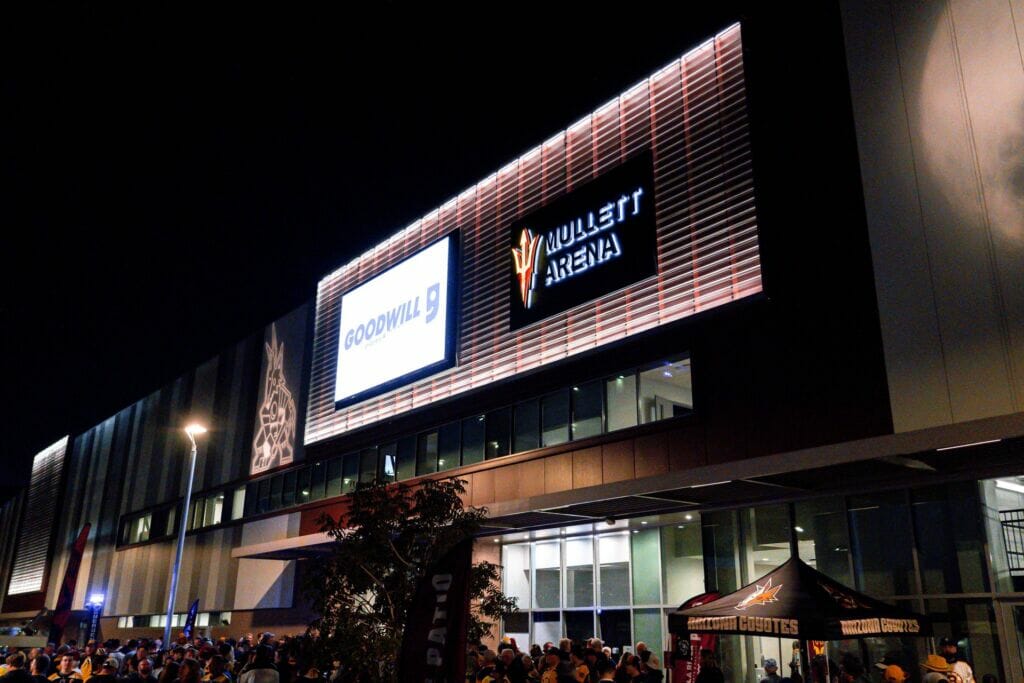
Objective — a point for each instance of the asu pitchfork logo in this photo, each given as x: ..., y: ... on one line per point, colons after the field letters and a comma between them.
x: 525, y: 258
x: 762, y: 595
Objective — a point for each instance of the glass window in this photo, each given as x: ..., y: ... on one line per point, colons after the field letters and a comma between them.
x: 666, y: 391
x: 613, y: 554
x: 682, y: 561
x: 614, y: 629
x: 579, y: 572
x: 334, y: 467
x: 881, y: 542
x: 498, y: 431
x: 406, y: 458
x: 620, y: 393
x: 426, y: 453
x: 515, y: 574
x: 972, y: 624
x: 238, y: 503
x: 195, y: 517
x: 202, y: 619
x: 288, y: 492
x: 367, y: 465
x: 140, y: 529
x: 449, y: 443
x: 350, y: 473
x: 718, y: 530
x: 647, y: 568
x: 263, y: 500
x: 527, y: 426
x: 547, y: 626
x: 172, y: 521
x: 587, y: 410
x: 303, y: 492
x: 950, y: 538
x: 768, y: 537
x: 647, y: 629
x: 547, y: 575
x: 317, y: 481
x: 472, y: 439
x: 579, y: 624
x: 276, y: 489
x: 251, y: 497
x: 517, y: 626
x: 388, y: 461
x: 555, y: 418
x: 214, y: 509
x: 824, y: 538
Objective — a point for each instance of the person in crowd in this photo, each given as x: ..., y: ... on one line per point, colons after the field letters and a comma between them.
x: 894, y: 673
x: 66, y: 670
x: 709, y: 670
x: 216, y: 670
x: 86, y: 667
x: 142, y: 674
x: 488, y: 664
x: 651, y: 664
x: 989, y: 678
x: 530, y: 668
x: 40, y: 670
x: 605, y: 670
x: 16, y: 672
x: 106, y: 672
x: 578, y: 659
x: 935, y: 669
x: 628, y: 670
x: 169, y: 671
x: 261, y: 669
x: 535, y: 652
x: 771, y: 672
x: 188, y: 672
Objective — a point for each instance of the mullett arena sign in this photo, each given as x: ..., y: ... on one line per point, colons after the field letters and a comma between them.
x: 598, y: 238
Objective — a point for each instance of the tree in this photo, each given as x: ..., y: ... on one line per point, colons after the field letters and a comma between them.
x: 390, y: 537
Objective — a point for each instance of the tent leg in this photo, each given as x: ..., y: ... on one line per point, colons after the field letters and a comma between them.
x: 805, y: 663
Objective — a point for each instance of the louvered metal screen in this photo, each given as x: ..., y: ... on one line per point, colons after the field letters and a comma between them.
x: 38, y: 520
x: 692, y: 114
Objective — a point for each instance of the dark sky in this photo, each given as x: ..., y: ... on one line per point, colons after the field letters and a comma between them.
x: 173, y: 181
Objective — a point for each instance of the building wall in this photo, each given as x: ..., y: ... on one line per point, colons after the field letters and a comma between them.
x: 138, y: 459
x: 938, y: 90
x: 10, y: 520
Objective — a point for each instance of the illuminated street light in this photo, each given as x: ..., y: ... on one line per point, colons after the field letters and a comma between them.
x: 192, y: 431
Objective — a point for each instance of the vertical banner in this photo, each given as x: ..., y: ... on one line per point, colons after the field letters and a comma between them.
x: 95, y: 611
x: 190, y: 620
x: 434, y: 645
x: 62, y: 610
x: 686, y: 654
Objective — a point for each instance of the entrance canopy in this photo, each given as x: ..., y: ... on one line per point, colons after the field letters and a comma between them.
x: 797, y: 601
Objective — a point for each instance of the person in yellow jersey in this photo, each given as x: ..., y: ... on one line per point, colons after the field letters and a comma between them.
x: 216, y: 670
x: 66, y: 670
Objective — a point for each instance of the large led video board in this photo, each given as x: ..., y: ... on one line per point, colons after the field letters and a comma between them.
x: 399, y: 326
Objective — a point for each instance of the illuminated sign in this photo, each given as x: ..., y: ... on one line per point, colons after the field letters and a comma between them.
x: 598, y: 238
x: 399, y: 326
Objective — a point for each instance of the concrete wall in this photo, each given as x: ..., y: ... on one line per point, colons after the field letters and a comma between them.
x: 938, y: 96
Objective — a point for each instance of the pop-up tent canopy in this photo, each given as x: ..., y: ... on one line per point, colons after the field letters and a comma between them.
x: 797, y: 601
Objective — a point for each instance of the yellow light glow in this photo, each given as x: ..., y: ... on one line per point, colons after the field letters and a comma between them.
x: 194, y: 429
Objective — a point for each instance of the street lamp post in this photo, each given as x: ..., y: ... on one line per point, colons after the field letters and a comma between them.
x: 192, y: 430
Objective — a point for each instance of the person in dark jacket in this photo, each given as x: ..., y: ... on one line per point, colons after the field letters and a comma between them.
x: 40, y: 668
x: 16, y: 672
x: 142, y: 674
x: 107, y: 671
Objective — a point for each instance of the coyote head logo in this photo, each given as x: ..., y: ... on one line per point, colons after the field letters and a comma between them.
x: 275, y: 436
x: 762, y: 595
x: 525, y: 258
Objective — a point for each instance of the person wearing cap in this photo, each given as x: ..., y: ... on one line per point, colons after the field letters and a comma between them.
x: 894, y: 673
x: 949, y: 649
x: 935, y: 669
x: 106, y: 672
x: 771, y: 672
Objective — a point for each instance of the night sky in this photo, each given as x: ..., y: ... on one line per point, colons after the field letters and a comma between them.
x: 172, y: 182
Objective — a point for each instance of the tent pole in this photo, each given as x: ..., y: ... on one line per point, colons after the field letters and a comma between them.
x: 794, y: 552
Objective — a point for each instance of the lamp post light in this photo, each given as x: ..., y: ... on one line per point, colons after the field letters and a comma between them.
x: 192, y: 431
x: 95, y: 606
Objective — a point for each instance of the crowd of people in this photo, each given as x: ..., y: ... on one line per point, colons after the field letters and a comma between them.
x: 253, y: 659
x: 566, y: 662
x: 265, y: 658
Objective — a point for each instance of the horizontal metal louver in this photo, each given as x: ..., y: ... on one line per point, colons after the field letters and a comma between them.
x: 692, y: 115
x: 37, y: 526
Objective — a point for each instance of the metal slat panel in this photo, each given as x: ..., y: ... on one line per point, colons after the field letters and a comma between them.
x: 692, y: 115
